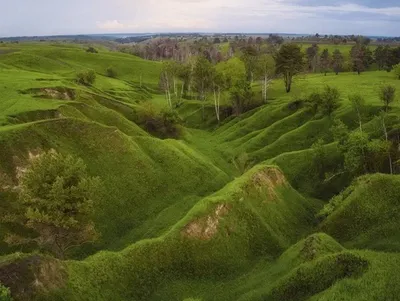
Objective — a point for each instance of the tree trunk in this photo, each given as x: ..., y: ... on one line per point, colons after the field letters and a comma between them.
x: 387, y: 140
x: 288, y: 86
x: 180, y: 98
x: 265, y: 88
x: 216, y: 105
x: 175, y: 89
x: 219, y: 103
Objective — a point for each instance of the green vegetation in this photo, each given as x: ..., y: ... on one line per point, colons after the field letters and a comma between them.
x: 216, y: 184
x: 86, y: 78
x: 56, y: 199
x: 289, y: 62
x: 5, y: 294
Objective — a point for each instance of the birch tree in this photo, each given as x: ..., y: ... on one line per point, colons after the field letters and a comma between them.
x: 265, y: 72
x: 358, y: 104
x: 202, y: 78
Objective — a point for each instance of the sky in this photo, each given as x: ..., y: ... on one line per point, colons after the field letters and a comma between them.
x: 54, y: 17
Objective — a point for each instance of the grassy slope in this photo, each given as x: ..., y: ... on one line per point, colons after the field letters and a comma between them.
x: 158, y: 189
x: 143, y: 176
x: 367, y: 216
x: 272, y: 214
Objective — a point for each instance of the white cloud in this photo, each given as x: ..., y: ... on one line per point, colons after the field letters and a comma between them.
x: 240, y: 15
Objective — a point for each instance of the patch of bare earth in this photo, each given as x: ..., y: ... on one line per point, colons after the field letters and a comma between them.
x: 21, y: 166
x: 56, y: 94
x: 61, y: 93
x: 205, y: 228
x: 32, y: 275
x: 269, y: 179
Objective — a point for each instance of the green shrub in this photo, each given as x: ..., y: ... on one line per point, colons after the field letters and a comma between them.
x: 163, y: 124
x: 5, y: 294
x: 58, y: 208
x: 396, y: 70
x: 91, y: 50
x: 325, y: 102
x: 86, y: 78
x: 111, y: 72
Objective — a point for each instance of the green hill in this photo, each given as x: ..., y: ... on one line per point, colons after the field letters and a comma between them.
x: 239, y: 211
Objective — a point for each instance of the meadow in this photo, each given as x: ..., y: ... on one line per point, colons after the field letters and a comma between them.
x: 225, y: 212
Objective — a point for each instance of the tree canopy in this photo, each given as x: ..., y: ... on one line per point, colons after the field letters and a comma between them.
x: 57, y: 198
x: 289, y: 62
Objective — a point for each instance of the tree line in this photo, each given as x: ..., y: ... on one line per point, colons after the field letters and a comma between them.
x: 204, y: 79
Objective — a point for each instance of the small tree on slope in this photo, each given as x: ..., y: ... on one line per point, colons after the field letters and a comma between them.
x: 57, y: 198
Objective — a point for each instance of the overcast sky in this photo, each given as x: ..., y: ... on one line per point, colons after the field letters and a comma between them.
x: 50, y: 17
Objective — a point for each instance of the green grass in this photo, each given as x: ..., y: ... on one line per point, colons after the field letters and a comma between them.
x: 179, y: 221
x: 368, y: 217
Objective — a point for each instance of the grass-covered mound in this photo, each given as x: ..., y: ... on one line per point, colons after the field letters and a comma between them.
x: 143, y: 176
x: 209, y: 243
x: 365, y: 215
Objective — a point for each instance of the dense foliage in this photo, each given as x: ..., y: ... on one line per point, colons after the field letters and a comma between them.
x: 57, y: 198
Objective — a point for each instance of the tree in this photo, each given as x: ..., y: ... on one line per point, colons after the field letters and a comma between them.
x: 337, y: 61
x: 265, y: 72
x: 314, y: 101
x: 361, y: 57
x: 386, y: 147
x: 394, y: 56
x: 312, y: 57
x: 86, y: 78
x: 381, y: 57
x: 218, y: 84
x: 396, y: 70
x: 289, y: 62
x: 325, y: 61
x: 185, y: 75
x: 330, y: 100
x: 319, y: 158
x: 250, y: 58
x: 217, y: 40
x: 165, y: 83
x: 111, y: 72
x: 355, y: 153
x: 340, y: 133
x: 358, y: 104
x: 387, y: 95
x: 202, y: 78
x: 233, y: 70
x: 57, y: 199
x: 378, y: 153
x: 241, y: 94
x: 91, y: 50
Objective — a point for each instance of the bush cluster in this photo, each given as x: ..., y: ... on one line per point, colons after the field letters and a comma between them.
x: 111, y: 72
x: 86, y: 78
x: 91, y: 50
x: 163, y: 124
x: 325, y: 102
